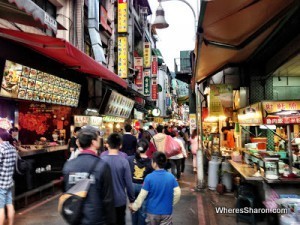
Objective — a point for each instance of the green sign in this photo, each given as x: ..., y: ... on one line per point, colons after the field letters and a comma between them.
x: 147, y: 85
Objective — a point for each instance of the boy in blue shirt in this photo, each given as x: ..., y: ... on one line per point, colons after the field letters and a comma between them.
x: 162, y: 192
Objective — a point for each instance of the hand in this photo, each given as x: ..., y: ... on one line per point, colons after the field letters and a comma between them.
x: 130, y: 208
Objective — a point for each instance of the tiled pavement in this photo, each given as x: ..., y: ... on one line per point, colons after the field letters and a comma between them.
x: 193, y: 208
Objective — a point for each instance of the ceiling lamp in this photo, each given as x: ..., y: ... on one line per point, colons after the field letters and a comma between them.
x: 160, y: 21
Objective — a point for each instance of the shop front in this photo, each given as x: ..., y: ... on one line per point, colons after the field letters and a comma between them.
x: 269, y: 149
x: 42, y: 81
x: 116, y: 110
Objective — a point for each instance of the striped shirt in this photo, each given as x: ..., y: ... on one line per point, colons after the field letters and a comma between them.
x: 8, y: 155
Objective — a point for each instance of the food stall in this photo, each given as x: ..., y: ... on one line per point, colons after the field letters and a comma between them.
x: 39, y: 104
x: 115, y: 109
x: 264, y: 126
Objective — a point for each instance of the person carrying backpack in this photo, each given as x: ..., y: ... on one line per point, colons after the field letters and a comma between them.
x: 98, y: 208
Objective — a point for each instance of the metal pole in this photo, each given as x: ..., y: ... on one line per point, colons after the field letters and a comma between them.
x: 189, y: 5
x: 200, y: 168
x: 289, y: 146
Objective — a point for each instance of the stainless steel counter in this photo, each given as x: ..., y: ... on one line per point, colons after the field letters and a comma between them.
x: 35, y: 151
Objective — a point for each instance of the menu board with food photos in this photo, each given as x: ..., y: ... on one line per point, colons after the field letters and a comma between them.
x: 117, y: 105
x: 23, y: 82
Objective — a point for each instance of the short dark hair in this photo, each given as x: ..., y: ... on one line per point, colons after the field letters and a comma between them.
x: 14, y: 129
x: 142, y: 145
x: 4, y: 135
x: 151, y: 127
x: 159, y: 128
x: 114, y: 141
x: 160, y: 159
x: 77, y: 129
x: 86, y: 135
x: 128, y: 127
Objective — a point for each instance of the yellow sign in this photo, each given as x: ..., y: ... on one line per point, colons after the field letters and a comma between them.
x: 221, y: 100
x: 279, y: 106
x: 193, y: 124
x: 158, y: 120
x: 122, y: 16
x: 250, y: 115
x: 147, y: 55
x: 122, y: 56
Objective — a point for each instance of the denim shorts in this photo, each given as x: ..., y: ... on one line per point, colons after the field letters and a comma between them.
x: 5, y: 197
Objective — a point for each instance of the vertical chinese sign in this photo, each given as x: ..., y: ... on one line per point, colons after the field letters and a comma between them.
x: 146, y: 82
x: 138, y: 65
x: 122, y: 39
x: 122, y: 16
x: 147, y: 55
x: 154, y: 73
x: 122, y: 56
x: 154, y: 89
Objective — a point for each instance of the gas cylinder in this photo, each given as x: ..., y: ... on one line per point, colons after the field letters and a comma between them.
x: 213, y: 172
x: 226, y: 175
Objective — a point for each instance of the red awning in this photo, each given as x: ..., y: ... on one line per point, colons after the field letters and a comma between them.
x: 62, y: 52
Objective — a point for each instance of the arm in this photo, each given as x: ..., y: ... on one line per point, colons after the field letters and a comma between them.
x: 139, y: 201
x: 128, y: 182
x: 108, y: 196
x: 176, y: 195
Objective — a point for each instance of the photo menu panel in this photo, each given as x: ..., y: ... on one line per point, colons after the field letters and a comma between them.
x: 23, y: 82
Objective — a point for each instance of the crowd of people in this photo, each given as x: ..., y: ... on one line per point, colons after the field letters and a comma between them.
x: 130, y: 168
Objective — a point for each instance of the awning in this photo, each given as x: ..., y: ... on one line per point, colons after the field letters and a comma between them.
x: 28, y: 13
x: 233, y: 30
x: 157, y: 53
x: 62, y: 52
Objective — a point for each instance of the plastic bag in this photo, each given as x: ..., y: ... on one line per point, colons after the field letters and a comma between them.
x: 172, y: 147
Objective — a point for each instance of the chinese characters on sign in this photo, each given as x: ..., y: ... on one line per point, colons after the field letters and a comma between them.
x: 122, y: 56
x: 154, y: 66
x: 80, y: 121
x: 221, y: 100
x: 281, y: 112
x: 122, y: 16
x: 154, y: 89
x: 138, y: 65
x: 147, y: 55
x: 146, y: 82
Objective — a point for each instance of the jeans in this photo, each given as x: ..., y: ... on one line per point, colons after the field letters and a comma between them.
x: 159, y: 219
x: 139, y: 217
x: 176, y: 165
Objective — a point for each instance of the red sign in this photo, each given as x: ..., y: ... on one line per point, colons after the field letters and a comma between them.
x: 154, y: 66
x: 138, y: 64
x: 154, y: 89
x: 103, y: 19
x: 282, y: 120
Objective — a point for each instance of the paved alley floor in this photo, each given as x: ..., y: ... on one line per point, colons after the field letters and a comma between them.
x: 194, y: 208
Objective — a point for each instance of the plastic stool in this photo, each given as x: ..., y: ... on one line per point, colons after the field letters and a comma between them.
x: 249, y: 200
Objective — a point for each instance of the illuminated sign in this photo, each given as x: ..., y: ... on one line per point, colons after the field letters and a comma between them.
x: 221, y: 100
x: 122, y: 16
x: 146, y: 82
x: 27, y: 83
x: 154, y: 89
x: 147, y: 55
x: 80, y: 121
x: 122, y: 57
x: 154, y: 66
x: 113, y: 119
x: 138, y: 64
